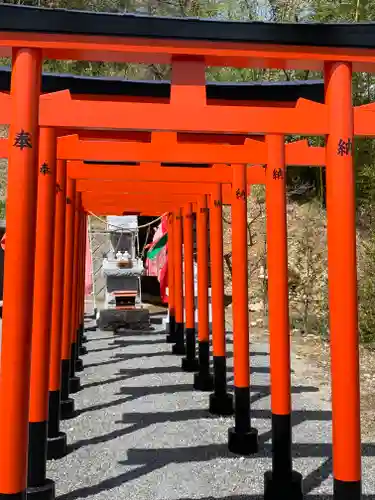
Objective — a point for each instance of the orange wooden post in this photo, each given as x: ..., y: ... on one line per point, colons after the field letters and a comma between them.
x: 221, y: 402
x: 171, y: 288
x: 83, y: 315
x: 57, y: 439
x: 179, y: 346
x: 281, y: 481
x: 81, y: 301
x: 81, y: 305
x: 74, y: 381
x: 88, y: 315
x: 242, y: 438
x: 190, y: 362
x: 80, y: 291
x: 41, y: 332
x: 342, y: 273
x: 79, y: 279
x: 86, y: 236
x: 203, y: 380
x: 67, y: 404
x: 19, y: 273
x: 80, y: 243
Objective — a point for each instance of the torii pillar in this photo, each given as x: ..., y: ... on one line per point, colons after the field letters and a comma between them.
x: 282, y: 481
x: 242, y: 438
x: 57, y: 440
x: 342, y: 274
x: 179, y: 346
x: 19, y: 272
x: 171, y: 291
x: 38, y: 485
x: 221, y: 401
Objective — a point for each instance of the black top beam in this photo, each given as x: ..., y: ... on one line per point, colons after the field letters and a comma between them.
x: 39, y: 20
x: 250, y: 91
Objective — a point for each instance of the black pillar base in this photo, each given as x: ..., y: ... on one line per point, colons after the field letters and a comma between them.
x: 189, y: 365
x: 73, y: 358
x: 82, y: 351
x: 243, y: 443
x: 283, y: 487
x: 79, y: 365
x: 43, y: 492
x: 74, y: 385
x: 13, y: 496
x: 221, y: 404
x: 57, y: 446
x: 39, y: 487
x: 83, y: 339
x: 65, y: 375
x: 203, y: 381
x: 347, y: 490
x: 37, y: 455
x: 179, y: 349
x: 171, y: 338
x: 67, y: 409
x: 56, y: 440
x: 172, y: 324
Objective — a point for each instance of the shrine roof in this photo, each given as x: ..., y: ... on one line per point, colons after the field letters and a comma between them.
x: 288, y: 91
x: 16, y: 18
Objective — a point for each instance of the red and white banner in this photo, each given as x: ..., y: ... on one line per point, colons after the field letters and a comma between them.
x: 158, y: 266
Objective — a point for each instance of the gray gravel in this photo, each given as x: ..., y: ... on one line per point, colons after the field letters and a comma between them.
x: 143, y: 434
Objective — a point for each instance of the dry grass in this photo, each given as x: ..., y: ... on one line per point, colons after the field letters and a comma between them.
x: 307, y: 260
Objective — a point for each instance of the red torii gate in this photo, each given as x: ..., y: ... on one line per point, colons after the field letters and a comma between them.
x: 240, y: 445
x: 335, y: 119
x: 206, y: 382
x: 223, y: 404
x: 164, y: 145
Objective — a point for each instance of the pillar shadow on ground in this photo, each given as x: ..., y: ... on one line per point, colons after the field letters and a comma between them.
x: 146, y: 461
x: 261, y: 497
x: 118, y: 344
x: 134, y: 393
x: 259, y: 390
x: 142, y: 421
x: 128, y: 357
x: 124, y: 356
x: 134, y: 333
x: 103, y: 406
x: 150, y: 460
x: 97, y: 339
x: 127, y: 374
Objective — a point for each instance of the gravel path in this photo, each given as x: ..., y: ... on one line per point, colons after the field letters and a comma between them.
x: 143, y: 434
